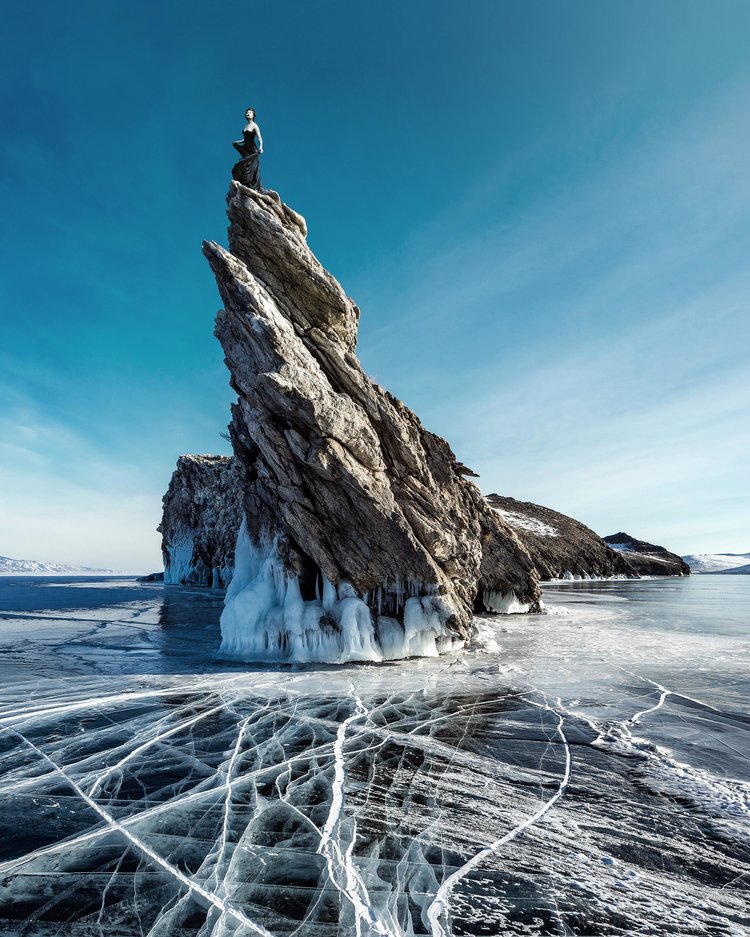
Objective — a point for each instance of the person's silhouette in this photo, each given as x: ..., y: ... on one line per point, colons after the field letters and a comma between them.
x: 247, y: 170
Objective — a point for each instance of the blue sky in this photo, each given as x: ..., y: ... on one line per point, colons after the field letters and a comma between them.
x: 542, y: 208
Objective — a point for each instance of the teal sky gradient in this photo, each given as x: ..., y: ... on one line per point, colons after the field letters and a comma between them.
x: 542, y: 209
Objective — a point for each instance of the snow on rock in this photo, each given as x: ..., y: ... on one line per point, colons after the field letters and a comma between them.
x: 562, y: 548
x: 647, y: 559
x: 718, y: 562
x: 519, y: 521
x: 363, y: 538
x: 200, y: 519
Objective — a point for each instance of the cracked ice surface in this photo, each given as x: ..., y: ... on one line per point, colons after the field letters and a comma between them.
x: 556, y: 777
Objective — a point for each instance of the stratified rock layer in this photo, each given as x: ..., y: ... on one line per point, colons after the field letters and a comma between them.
x: 200, y: 519
x: 561, y: 547
x: 648, y: 559
x: 342, y: 485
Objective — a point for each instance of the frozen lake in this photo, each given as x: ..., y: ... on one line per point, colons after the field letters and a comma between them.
x: 583, y: 772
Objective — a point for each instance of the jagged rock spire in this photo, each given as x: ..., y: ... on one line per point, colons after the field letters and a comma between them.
x: 340, y: 481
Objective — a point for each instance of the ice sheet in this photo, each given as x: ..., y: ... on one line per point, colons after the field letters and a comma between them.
x: 556, y: 776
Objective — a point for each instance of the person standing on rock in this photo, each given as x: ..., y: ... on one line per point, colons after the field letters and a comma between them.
x: 247, y: 170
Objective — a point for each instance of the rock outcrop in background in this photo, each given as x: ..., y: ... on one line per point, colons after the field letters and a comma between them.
x: 562, y: 548
x: 362, y: 537
x: 647, y: 559
x: 201, y: 515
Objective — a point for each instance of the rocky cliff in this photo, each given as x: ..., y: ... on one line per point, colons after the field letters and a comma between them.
x: 648, y: 559
x: 562, y: 548
x: 361, y: 538
x: 201, y: 515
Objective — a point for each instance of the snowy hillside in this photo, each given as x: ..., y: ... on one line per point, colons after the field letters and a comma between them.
x: 719, y: 562
x: 11, y: 567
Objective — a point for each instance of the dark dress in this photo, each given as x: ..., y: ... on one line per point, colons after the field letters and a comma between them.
x: 247, y: 170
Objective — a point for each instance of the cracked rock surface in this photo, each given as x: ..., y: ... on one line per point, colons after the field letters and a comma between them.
x: 341, y: 473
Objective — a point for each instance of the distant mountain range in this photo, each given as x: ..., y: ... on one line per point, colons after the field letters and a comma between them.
x: 719, y: 563
x: 11, y: 567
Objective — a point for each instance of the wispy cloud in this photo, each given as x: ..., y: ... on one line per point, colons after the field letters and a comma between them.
x: 590, y: 351
x: 63, y: 499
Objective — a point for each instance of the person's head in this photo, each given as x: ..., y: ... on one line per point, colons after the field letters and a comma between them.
x: 250, y: 113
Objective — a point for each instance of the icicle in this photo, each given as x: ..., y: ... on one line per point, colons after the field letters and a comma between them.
x: 329, y: 594
x: 265, y: 617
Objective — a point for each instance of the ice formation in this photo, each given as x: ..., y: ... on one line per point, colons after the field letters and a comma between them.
x: 153, y: 792
x: 265, y: 617
x: 182, y: 568
x: 179, y: 569
x: 503, y: 603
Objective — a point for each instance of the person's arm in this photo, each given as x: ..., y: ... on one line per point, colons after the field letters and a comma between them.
x: 260, y: 139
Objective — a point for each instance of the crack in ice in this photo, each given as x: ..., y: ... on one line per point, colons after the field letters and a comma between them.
x: 439, y: 910
x: 224, y: 906
x: 352, y: 885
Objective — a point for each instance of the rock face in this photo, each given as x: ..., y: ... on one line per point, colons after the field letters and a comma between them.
x: 562, y: 548
x: 362, y: 538
x: 647, y: 559
x: 200, y: 519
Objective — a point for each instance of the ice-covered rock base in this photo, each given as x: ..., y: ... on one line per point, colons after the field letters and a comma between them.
x: 266, y: 618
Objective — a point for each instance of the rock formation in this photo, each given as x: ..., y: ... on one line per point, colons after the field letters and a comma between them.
x: 562, y: 548
x: 362, y: 538
x: 200, y: 519
x: 647, y: 559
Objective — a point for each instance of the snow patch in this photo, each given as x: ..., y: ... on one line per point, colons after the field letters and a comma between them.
x: 524, y: 522
x: 629, y: 548
x: 11, y: 567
